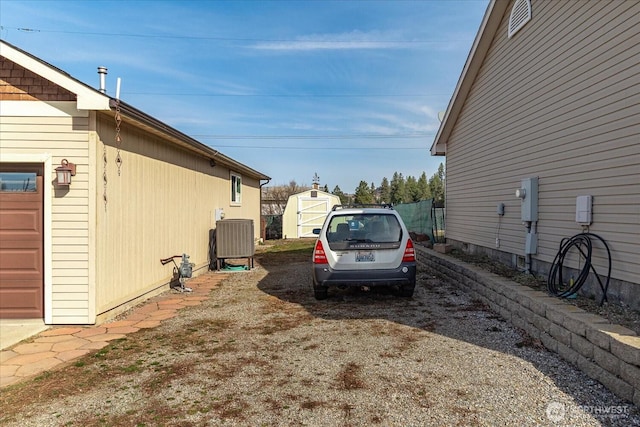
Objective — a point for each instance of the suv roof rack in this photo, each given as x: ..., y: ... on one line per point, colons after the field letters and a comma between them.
x: 363, y: 205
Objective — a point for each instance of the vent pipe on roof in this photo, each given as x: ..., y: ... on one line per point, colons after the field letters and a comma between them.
x: 103, y: 75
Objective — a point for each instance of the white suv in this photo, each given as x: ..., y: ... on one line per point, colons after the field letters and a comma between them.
x: 364, y: 246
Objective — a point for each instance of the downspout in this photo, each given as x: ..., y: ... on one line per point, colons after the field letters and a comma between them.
x: 528, y: 194
x: 531, y: 244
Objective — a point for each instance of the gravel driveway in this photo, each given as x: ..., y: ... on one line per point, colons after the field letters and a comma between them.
x: 263, y: 352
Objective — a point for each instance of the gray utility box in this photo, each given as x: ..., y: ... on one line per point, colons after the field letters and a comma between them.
x: 234, y: 239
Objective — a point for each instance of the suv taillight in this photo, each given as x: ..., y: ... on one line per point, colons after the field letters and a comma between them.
x: 319, y: 257
x: 409, y: 252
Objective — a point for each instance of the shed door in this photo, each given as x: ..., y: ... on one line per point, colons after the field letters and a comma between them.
x: 311, y: 214
x: 21, y: 242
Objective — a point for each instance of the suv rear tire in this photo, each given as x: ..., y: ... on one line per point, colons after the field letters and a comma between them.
x: 320, y: 292
x: 406, y: 291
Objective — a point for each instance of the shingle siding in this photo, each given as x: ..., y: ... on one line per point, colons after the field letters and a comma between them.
x: 19, y: 84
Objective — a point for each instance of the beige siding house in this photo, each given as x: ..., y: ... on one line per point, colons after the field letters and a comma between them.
x: 305, y: 211
x: 550, y: 90
x: 142, y: 191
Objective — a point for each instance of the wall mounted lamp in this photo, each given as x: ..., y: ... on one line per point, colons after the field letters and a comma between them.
x: 64, y: 172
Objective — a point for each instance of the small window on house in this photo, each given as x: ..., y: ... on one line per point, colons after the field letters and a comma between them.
x: 520, y: 15
x: 18, y: 182
x: 314, y: 193
x: 236, y: 189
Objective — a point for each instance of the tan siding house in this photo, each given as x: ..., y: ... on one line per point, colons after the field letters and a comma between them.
x: 558, y: 100
x: 102, y: 236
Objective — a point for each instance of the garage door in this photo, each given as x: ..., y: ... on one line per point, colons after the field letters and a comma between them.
x: 21, y: 242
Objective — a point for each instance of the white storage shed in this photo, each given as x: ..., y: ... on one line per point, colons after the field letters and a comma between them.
x: 306, y: 211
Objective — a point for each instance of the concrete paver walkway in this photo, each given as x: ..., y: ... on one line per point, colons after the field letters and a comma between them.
x: 63, y: 344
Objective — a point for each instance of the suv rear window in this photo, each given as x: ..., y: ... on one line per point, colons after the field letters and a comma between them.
x: 350, y: 231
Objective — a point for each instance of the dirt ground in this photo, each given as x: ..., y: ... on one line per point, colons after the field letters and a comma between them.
x: 615, y: 313
x: 263, y: 352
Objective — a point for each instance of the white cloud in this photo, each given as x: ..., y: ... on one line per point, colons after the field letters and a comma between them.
x: 339, y: 41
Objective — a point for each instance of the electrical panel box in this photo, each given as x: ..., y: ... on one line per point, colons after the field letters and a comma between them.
x: 500, y: 209
x: 528, y: 194
x: 583, y: 210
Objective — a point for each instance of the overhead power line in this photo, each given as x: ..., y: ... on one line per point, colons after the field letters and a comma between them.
x: 258, y: 147
x: 296, y: 95
x: 225, y: 39
x: 315, y: 137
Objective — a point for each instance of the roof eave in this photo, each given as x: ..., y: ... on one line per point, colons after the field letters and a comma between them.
x: 87, y: 98
x: 490, y: 24
x: 145, y: 120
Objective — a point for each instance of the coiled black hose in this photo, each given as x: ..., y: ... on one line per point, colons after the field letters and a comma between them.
x: 583, y: 242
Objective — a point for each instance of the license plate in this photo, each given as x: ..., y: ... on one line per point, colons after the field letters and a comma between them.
x: 365, y: 256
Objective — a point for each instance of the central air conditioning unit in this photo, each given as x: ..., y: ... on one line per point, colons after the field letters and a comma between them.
x: 234, y: 239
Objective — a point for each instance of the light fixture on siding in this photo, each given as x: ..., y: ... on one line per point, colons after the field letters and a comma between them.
x: 64, y: 172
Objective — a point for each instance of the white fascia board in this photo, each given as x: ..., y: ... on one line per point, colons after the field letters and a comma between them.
x: 482, y: 42
x: 41, y: 109
x: 88, y: 98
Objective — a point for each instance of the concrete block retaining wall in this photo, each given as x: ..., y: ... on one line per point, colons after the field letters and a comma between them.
x: 606, y: 352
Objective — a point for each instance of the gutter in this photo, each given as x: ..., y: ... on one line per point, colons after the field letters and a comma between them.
x: 146, y: 121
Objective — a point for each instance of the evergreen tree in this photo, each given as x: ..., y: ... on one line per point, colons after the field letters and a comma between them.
x: 424, y: 191
x: 344, y: 199
x: 398, y: 192
x: 385, y: 191
x: 436, y: 184
x: 325, y: 188
x: 374, y: 192
x: 363, y: 194
x: 411, y: 188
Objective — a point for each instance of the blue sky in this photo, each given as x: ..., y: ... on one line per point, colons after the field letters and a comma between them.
x: 349, y: 90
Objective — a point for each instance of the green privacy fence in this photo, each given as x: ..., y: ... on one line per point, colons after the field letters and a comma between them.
x: 423, y: 217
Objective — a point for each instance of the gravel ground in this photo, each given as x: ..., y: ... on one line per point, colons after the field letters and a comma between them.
x: 262, y: 352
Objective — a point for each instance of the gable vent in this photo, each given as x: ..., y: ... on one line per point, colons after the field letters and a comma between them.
x: 520, y: 15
